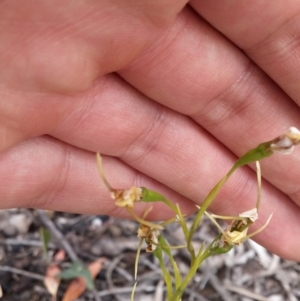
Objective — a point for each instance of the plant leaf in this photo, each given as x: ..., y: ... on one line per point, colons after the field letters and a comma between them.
x: 77, y: 269
x: 45, y: 236
x: 167, y: 250
x: 84, y: 281
x: 73, y: 271
x: 166, y: 274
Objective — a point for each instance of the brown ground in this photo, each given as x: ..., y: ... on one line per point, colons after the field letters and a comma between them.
x: 247, y: 273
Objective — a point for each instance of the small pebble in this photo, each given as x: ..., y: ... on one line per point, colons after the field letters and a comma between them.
x: 96, y: 224
x: 276, y: 298
x: 10, y: 231
x: 96, y: 249
x: 115, y: 230
x: 25, y: 296
x: 21, y: 222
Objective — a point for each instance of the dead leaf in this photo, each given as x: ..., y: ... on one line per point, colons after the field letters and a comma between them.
x: 96, y: 266
x: 50, y: 281
x: 75, y: 289
x: 78, y: 285
x: 60, y: 256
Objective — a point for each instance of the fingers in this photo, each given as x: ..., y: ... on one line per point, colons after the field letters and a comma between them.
x: 174, y: 150
x: 221, y: 90
x: 63, y: 50
x: 124, y: 123
x: 268, y: 33
x: 25, y: 115
x: 63, y: 47
x: 69, y: 181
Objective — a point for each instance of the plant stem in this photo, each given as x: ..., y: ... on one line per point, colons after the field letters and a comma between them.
x: 193, y: 269
x: 261, y: 151
x: 208, y: 200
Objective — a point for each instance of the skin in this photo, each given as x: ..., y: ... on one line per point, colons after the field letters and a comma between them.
x: 169, y: 93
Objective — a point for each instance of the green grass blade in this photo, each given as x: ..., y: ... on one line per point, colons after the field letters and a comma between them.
x: 166, y: 274
x: 186, y: 232
x: 167, y: 250
x: 45, y: 237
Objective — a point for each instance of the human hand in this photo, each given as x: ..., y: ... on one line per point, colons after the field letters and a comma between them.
x: 184, y: 102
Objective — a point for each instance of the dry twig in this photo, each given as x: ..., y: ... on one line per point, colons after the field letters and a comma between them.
x: 61, y: 240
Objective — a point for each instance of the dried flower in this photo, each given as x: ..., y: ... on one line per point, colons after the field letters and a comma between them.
x: 150, y: 235
x: 122, y: 197
x: 143, y: 231
x: 237, y: 232
x: 126, y: 197
x: 152, y: 241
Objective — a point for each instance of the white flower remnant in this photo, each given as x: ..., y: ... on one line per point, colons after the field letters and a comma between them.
x: 285, y: 143
x: 252, y: 214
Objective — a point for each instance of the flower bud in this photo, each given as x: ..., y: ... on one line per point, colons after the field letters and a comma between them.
x: 285, y: 143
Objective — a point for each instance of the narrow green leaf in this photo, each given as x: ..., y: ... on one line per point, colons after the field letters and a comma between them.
x: 167, y: 250
x: 166, y: 274
x: 45, y: 237
x: 182, y: 222
x: 186, y: 233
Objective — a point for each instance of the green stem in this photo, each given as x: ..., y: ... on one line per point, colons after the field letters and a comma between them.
x: 166, y: 274
x: 261, y: 151
x: 208, y: 200
x: 176, y: 271
x: 193, y: 269
x: 201, y: 256
x: 185, y: 232
x: 153, y: 196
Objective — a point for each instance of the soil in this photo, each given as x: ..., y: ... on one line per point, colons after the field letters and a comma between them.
x: 248, y: 272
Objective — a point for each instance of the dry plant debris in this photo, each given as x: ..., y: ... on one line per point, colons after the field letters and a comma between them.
x: 248, y: 272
